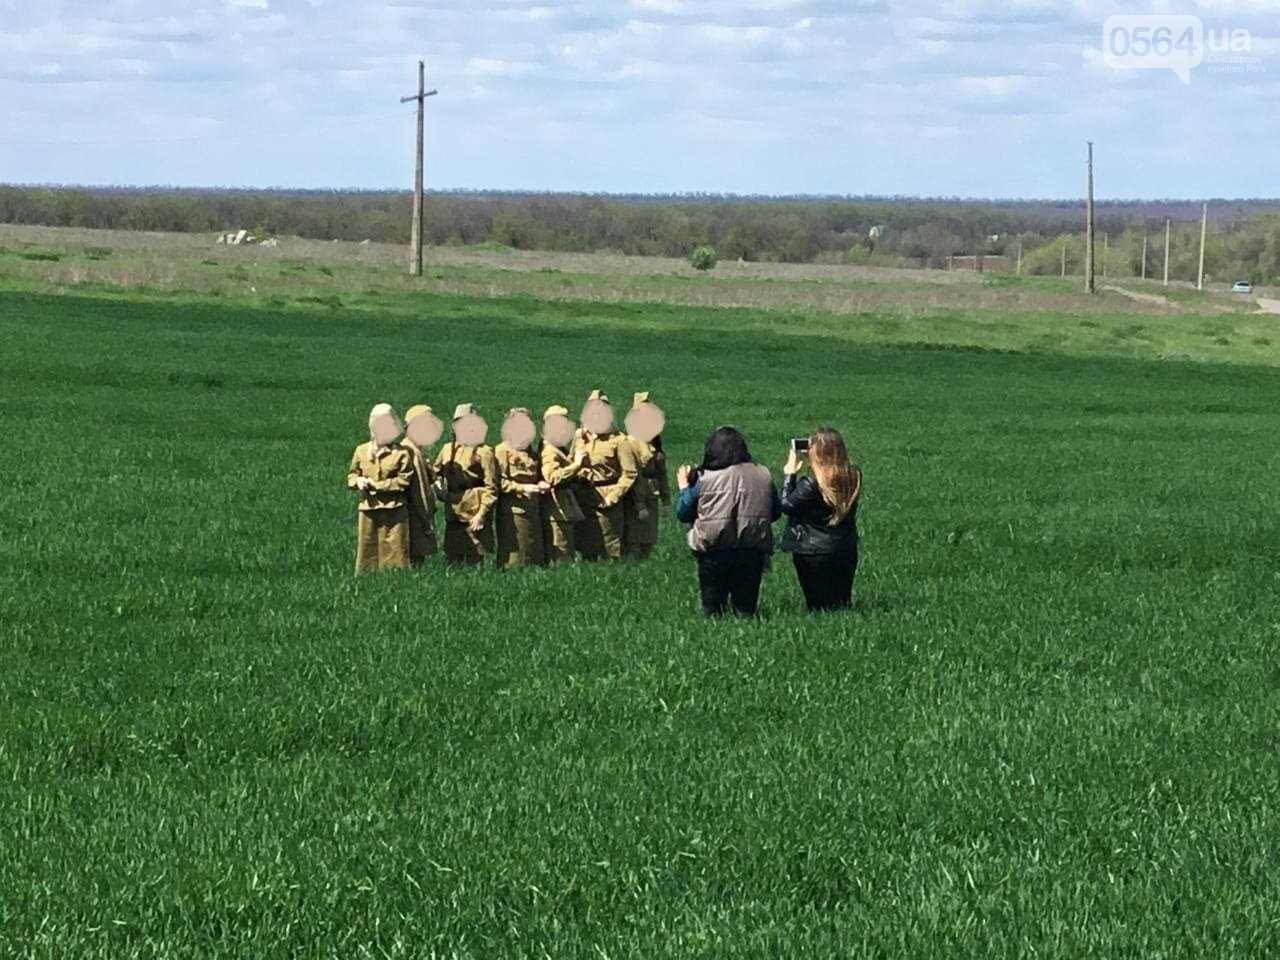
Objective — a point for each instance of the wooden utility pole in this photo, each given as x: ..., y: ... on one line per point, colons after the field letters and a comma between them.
x: 1088, y: 229
x: 1144, y: 254
x: 1019, y: 256
x: 1204, y: 229
x: 1064, y: 256
x: 1167, y: 232
x: 415, y: 234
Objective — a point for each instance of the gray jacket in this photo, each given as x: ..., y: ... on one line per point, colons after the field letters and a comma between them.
x: 732, y: 509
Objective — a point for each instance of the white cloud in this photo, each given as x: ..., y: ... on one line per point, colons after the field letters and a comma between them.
x: 484, y: 67
x: 523, y: 15
x: 790, y: 39
x: 1097, y: 68
x: 646, y: 94
x: 1239, y: 6
x: 643, y: 28
x: 995, y: 86
x: 659, y: 6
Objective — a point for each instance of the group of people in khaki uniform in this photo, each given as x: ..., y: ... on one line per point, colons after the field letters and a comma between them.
x: 591, y: 491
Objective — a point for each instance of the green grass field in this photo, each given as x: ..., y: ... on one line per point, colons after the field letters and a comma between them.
x: 1049, y: 728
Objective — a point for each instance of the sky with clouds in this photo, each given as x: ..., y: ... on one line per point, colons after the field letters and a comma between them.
x: 954, y: 98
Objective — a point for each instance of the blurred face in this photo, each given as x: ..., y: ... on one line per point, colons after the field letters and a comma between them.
x: 645, y: 421
x: 470, y: 430
x: 424, y: 429
x: 597, y: 417
x: 558, y: 430
x: 518, y: 430
x: 384, y: 429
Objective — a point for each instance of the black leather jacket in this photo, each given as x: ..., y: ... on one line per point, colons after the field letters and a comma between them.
x: 808, y: 531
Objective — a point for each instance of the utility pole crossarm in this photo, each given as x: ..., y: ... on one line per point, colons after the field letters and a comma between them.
x: 429, y: 93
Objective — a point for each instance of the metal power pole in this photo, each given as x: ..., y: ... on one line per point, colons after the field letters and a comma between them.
x: 1204, y: 229
x: 1088, y: 229
x: 415, y: 238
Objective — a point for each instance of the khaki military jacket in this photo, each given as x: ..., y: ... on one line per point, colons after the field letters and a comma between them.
x: 515, y: 469
x: 469, y: 476
x: 422, y: 497
x: 559, y: 470
x: 652, y: 484
x: 610, y: 470
x: 391, y: 470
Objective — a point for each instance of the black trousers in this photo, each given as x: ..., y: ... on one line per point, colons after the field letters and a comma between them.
x: 827, y: 578
x: 731, y: 577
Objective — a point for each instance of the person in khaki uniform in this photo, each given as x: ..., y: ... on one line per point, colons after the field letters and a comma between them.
x: 561, y: 470
x: 652, y: 490
x: 422, y: 429
x: 521, y: 496
x: 382, y: 471
x: 468, y: 479
x: 609, y: 471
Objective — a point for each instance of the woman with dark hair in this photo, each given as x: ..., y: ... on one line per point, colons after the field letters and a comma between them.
x: 822, y: 520
x: 730, y: 503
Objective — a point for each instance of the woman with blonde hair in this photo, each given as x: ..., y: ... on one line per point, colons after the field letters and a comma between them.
x: 822, y: 513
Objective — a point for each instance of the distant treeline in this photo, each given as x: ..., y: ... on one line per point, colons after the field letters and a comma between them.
x: 889, y: 230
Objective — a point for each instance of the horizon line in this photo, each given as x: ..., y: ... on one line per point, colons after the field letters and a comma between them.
x: 625, y: 195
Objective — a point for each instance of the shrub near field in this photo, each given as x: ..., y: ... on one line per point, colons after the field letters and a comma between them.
x: 1049, y: 728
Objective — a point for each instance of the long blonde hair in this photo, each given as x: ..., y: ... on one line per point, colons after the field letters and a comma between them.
x: 839, y: 481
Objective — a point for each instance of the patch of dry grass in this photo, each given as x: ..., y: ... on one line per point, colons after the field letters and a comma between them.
x: 868, y: 304
x: 195, y: 263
